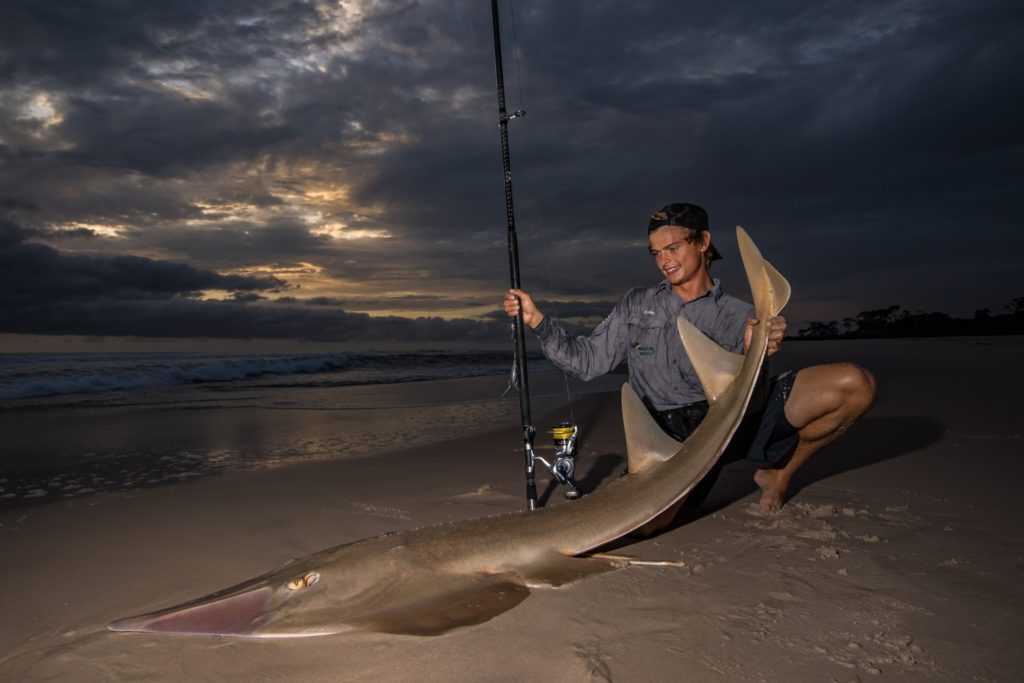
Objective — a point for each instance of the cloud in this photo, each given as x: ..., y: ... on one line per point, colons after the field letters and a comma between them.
x: 46, y: 291
x: 421, y: 302
x: 183, y: 318
x: 351, y: 149
x: 572, y: 311
x: 31, y: 272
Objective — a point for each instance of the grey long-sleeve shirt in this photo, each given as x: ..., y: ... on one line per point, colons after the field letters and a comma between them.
x: 641, y: 329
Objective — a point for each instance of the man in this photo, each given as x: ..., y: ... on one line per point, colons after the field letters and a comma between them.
x: 804, y: 410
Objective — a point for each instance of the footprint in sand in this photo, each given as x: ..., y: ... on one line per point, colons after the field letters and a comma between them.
x: 877, y: 653
x: 818, y: 522
x: 593, y: 660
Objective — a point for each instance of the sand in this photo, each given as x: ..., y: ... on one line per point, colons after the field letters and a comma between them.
x: 898, y: 557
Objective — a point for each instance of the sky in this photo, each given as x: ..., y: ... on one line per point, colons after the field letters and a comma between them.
x: 291, y: 172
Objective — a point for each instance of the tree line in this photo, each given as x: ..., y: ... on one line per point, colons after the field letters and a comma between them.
x: 896, y: 322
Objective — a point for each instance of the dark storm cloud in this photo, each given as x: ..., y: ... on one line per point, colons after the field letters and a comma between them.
x: 857, y: 141
x: 182, y: 318
x: 229, y: 241
x: 829, y: 129
x: 44, y: 291
x: 567, y: 310
x: 31, y: 272
x: 408, y: 303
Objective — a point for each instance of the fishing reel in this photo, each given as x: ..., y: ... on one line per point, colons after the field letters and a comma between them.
x: 563, y: 465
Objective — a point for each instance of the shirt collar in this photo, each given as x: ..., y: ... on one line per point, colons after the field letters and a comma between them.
x: 715, y: 292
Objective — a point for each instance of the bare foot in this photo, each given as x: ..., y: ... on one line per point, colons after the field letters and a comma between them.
x: 773, y: 491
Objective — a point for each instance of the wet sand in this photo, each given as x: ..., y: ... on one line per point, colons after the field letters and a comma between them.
x: 898, y: 557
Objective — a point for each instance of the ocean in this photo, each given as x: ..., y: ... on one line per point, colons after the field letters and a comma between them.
x: 94, y: 377
x: 73, y: 425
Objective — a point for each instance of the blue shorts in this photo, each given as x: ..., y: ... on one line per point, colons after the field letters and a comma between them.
x: 765, y: 436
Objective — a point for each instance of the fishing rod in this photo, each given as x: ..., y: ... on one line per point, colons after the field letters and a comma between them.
x: 565, y: 434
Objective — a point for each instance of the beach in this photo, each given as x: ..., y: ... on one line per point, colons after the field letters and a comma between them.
x: 898, y: 556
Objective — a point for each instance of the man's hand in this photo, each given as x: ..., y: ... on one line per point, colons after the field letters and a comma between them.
x: 776, y: 331
x: 532, y: 315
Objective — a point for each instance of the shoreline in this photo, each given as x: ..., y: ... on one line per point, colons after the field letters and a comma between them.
x: 123, y: 445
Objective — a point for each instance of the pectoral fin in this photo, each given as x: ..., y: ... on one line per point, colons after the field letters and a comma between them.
x: 478, y: 598
x: 467, y: 603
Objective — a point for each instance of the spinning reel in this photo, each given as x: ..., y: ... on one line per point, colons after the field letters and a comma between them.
x: 564, y: 464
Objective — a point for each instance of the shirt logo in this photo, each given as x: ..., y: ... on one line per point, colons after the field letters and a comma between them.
x: 643, y: 349
x: 649, y: 313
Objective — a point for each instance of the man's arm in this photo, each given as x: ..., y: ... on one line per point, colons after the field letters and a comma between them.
x: 584, y: 357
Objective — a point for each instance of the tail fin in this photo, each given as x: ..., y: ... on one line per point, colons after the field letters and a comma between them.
x: 770, y: 290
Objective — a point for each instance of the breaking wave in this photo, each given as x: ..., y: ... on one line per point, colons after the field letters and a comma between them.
x: 31, y: 375
x: 39, y: 375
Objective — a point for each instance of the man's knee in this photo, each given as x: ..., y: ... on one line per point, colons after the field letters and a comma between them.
x: 857, y: 385
x: 843, y: 390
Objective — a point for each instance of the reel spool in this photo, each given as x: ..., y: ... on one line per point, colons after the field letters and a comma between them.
x: 564, y: 464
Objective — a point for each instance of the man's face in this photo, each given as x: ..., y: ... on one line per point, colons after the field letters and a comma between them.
x: 678, y: 259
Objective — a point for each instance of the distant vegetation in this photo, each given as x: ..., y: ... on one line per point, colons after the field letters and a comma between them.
x: 896, y: 322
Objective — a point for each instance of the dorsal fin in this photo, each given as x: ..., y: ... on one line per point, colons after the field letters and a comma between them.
x: 646, y: 443
x: 716, y: 367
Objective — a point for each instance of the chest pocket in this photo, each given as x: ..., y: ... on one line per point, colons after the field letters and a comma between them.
x: 647, y: 335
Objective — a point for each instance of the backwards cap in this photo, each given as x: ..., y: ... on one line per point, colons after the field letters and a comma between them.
x: 683, y: 215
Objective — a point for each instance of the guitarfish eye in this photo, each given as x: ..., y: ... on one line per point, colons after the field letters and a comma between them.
x: 303, y: 581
